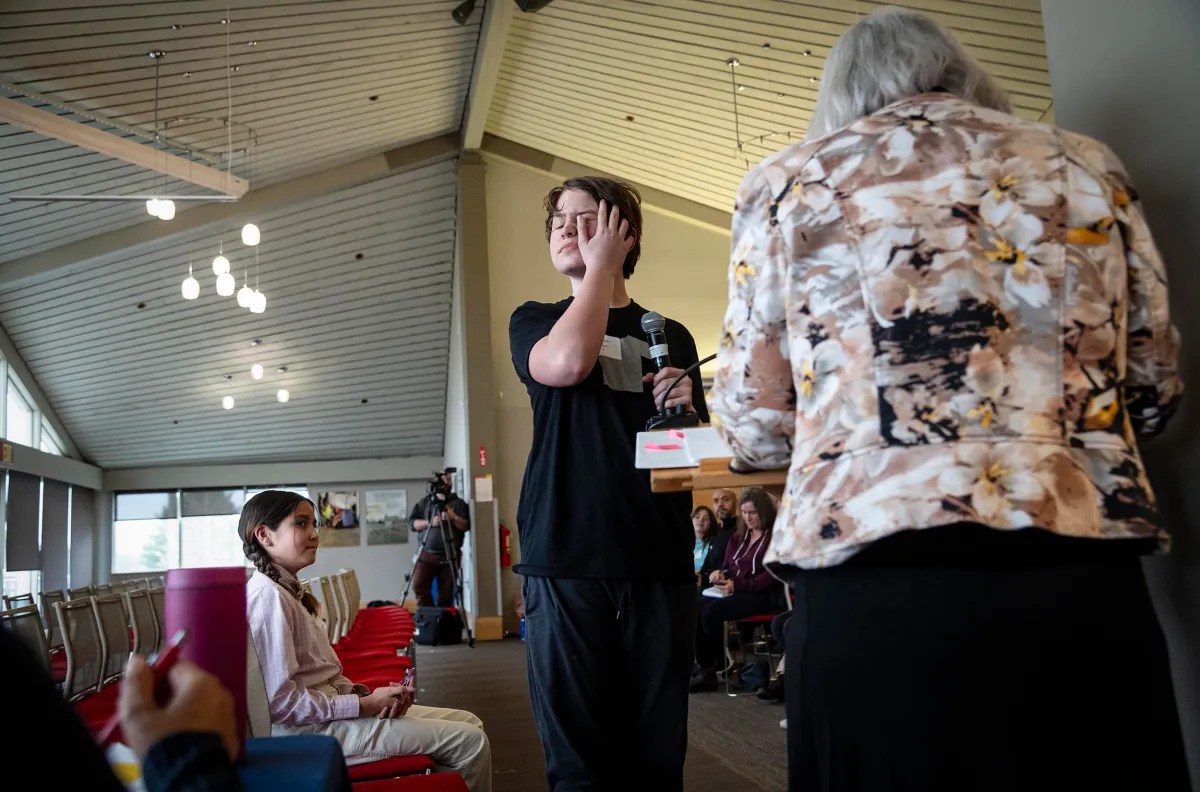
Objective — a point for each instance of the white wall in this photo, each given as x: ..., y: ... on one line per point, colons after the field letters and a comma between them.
x: 1127, y: 74
x: 381, y: 569
x: 455, y: 447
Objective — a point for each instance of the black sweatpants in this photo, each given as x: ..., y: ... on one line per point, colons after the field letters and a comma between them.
x: 963, y: 658
x: 609, y: 663
x: 710, y: 623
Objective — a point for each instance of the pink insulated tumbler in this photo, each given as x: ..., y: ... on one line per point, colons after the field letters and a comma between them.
x: 210, y: 603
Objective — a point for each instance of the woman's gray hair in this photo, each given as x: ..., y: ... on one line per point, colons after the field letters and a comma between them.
x: 891, y: 55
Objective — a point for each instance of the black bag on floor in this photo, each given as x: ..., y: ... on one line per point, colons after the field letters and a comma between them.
x: 438, y: 626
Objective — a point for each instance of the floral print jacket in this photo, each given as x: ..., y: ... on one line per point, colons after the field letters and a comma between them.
x: 943, y: 313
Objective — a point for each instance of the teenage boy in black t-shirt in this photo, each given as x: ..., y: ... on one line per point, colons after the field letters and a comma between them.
x: 609, y: 589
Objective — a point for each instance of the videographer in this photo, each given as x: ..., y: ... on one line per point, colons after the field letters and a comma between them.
x: 450, y: 518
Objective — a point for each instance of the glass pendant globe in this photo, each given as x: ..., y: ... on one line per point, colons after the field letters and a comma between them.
x: 152, y: 207
x: 245, y: 296
x: 250, y: 235
x: 220, y: 265
x: 225, y: 284
x: 166, y: 209
x: 256, y: 371
x: 258, y: 303
x: 283, y: 396
x: 227, y: 402
x: 190, y: 288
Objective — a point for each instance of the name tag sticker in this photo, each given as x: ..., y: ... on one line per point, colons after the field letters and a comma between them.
x: 611, y: 348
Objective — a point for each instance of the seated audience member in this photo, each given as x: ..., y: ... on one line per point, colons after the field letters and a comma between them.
x: 951, y: 325
x: 747, y: 588
x: 185, y: 745
x: 725, y: 506
x: 715, y: 558
x: 307, y: 691
x: 704, y: 523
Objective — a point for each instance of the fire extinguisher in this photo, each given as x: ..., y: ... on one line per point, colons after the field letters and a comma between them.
x: 505, y: 546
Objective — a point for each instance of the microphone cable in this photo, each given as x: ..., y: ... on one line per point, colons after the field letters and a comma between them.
x: 662, y: 401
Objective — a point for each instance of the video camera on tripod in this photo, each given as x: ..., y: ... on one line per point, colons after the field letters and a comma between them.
x: 438, y: 487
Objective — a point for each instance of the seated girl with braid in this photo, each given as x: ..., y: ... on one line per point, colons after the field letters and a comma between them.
x: 306, y: 689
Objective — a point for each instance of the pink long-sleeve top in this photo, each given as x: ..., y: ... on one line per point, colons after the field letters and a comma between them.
x: 299, y: 666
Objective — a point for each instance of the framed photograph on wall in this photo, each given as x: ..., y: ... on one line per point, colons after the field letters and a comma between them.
x: 337, y: 517
x: 387, y: 516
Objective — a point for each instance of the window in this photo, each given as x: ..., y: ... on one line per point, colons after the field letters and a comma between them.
x: 18, y: 425
x: 209, y: 528
x: 145, y: 532
x: 156, y: 531
x: 50, y: 442
x: 23, y: 583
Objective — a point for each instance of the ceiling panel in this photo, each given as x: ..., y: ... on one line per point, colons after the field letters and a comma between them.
x: 642, y: 89
x: 309, y: 85
x: 358, y: 286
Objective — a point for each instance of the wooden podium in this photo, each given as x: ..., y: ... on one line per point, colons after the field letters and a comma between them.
x: 714, y: 474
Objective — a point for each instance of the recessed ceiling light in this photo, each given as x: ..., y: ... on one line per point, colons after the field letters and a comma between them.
x: 364, y: 401
x: 251, y: 43
x: 358, y: 256
x: 228, y: 378
x: 187, y: 74
x: 255, y: 342
x: 176, y: 27
x: 282, y: 369
x: 374, y: 97
x: 141, y: 305
x: 224, y: 21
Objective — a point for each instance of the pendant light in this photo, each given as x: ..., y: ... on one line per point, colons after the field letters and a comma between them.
x: 227, y: 402
x: 220, y: 263
x: 226, y: 283
x: 256, y: 371
x: 283, y: 395
x: 245, y: 294
x: 250, y: 235
x: 258, y: 302
x: 191, y: 286
x: 166, y: 209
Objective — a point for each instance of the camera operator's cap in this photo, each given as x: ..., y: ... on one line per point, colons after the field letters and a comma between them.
x: 449, y: 470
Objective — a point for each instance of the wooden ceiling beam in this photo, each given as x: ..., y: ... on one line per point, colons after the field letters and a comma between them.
x: 142, y: 155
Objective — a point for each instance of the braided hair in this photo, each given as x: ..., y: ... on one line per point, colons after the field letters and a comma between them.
x: 270, y: 508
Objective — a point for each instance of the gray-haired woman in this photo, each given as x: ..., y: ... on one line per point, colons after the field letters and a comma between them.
x: 952, y: 324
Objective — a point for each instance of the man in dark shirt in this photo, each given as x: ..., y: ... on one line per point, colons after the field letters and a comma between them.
x: 608, y: 585
x: 442, y: 547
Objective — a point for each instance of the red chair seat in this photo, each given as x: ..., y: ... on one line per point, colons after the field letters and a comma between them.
x: 762, y: 618
x: 435, y: 782
x: 391, y: 767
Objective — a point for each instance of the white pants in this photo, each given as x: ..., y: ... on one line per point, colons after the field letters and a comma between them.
x: 454, y: 738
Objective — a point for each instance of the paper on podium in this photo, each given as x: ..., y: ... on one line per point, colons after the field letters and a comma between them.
x: 677, y: 448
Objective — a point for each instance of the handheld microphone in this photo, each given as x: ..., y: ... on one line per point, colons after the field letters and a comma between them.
x: 654, y: 325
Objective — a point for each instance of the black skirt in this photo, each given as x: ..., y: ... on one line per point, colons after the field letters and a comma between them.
x: 964, y: 658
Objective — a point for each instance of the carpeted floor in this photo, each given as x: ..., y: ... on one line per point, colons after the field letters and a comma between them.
x: 735, y: 744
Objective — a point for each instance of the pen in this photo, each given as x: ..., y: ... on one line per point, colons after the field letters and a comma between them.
x: 160, y: 664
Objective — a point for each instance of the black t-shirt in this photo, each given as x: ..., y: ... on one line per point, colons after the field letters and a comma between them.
x: 585, y: 510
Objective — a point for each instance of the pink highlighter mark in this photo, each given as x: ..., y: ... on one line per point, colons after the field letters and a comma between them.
x: 663, y: 447
x: 678, y: 435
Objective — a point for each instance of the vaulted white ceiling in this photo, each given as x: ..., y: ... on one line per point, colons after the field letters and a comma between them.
x: 641, y: 89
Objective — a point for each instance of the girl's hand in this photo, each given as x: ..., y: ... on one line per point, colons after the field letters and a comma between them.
x: 380, y: 699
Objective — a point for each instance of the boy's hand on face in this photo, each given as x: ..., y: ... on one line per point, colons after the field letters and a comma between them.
x: 604, y: 251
